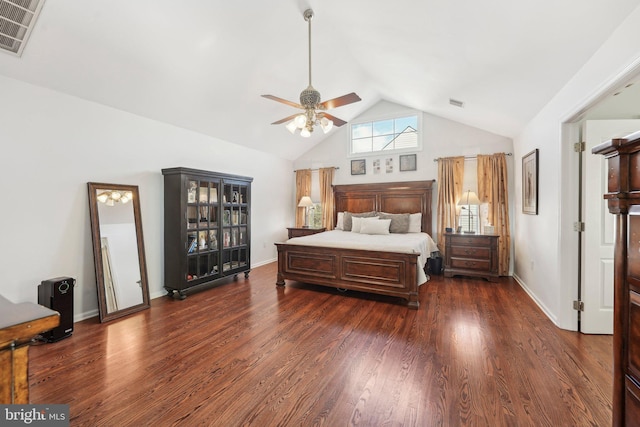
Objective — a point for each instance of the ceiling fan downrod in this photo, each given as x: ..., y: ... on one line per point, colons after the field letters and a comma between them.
x: 309, y: 98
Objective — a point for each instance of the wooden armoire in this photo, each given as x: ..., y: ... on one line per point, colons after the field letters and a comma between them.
x: 623, y: 198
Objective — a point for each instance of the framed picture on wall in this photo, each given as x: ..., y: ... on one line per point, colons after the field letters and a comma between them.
x: 376, y: 166
x: 358, y: 167
x: 530, y: 183
x: 407, y: 162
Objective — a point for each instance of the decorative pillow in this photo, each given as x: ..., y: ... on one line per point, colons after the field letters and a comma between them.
x: 346, y: 223
x: 340, y: 221
x: 356, y: 223
x: 374, y: 226
x: 399, y: 222
x: 415, y: 222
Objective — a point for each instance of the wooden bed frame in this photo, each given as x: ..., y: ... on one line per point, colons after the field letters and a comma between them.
x: 386, y: 273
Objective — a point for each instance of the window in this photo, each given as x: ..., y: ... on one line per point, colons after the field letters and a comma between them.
x: 385, y: 135
x: 464, y: 218
x: 315, y: 215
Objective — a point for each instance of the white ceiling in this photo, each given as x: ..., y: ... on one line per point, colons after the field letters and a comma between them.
x: 203, y: 64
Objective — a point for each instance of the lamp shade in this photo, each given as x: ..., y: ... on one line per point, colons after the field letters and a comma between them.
x: 326, y: 124
x: 291, y: 126
x: 305, y: 202
x: 103, y: 197
x: 469, y: 198
x: 301, y: 120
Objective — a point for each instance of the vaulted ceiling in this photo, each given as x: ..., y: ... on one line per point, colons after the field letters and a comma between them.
x: 203, y: 64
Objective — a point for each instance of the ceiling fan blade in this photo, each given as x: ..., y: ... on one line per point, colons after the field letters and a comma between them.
x: 284, y: 101
x: 336, y: 121
x: 340, y: 101
x: 286, y: 119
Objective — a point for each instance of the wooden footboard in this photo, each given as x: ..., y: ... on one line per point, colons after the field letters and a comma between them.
x: 386, y: 273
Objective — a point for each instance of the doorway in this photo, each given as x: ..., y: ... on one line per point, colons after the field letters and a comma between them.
x: 597, y: 239
x: 589, y: 255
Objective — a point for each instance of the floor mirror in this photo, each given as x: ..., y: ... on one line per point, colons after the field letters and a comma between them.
x: 118, y: 250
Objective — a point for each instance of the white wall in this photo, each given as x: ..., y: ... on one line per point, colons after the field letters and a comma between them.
x: 546, y: 245
x: 440, y: 138
x: 53, y: 144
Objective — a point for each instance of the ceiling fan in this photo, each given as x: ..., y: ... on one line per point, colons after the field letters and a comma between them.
x: 314, y: 110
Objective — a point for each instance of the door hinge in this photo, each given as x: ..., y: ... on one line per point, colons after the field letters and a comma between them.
x: 579, y: 147
x: 578, y: 305
x: 578, y: 226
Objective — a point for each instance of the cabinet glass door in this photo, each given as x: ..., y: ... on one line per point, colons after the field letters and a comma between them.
x: 203, y: 210
x: 235, y: 220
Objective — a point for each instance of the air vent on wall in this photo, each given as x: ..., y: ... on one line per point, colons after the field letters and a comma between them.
x: 17, y: 18
x: 456, y: 103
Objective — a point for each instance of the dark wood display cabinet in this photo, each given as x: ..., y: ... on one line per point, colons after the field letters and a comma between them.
x: 207, y: 228
x: 623, y: 198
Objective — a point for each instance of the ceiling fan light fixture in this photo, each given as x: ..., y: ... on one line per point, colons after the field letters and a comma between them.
x: 128, y: 195
x: 103, y: 197
x: 301, y: 121
x: 291, y: 126
x: 311, y: 103
x: 326, y: 124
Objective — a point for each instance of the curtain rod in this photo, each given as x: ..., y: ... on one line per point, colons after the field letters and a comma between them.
x: 471, y: 157
x: 316, y: 169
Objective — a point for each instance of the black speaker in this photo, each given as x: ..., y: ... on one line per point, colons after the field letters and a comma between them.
x: 57, y: 294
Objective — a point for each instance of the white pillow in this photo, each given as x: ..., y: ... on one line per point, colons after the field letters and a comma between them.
x: 374, y: 226
x: 415, y: 222
x: 340, y: 221
x: 356, y: 223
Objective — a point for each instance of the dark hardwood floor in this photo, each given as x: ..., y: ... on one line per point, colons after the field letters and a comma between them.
x: 246, y: 353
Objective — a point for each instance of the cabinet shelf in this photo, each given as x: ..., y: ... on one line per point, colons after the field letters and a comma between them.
x: 202, y: 252
x: 207, y: 227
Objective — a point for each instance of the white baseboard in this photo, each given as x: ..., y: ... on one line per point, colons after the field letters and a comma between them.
x: 544, y: 309
x: 261, y: 263
x: 86, y: 315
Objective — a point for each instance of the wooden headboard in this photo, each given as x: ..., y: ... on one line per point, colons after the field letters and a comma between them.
x: 389, y: 197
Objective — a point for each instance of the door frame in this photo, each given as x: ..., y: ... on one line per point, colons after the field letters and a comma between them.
x: 598, y: 243
x: 570, y: 250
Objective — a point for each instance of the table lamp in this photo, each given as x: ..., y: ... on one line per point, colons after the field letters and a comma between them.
x: 305, y: 203
x: 468, y: 199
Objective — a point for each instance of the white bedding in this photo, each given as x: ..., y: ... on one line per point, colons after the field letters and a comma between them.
x: 420, y: 243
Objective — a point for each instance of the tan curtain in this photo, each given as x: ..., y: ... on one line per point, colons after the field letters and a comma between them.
x: 450, y: 176
x: 326, y: 196
x: 303, y: 188
x: 492, y: 189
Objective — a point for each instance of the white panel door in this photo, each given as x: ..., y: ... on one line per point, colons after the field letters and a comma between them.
x: 597, y: 241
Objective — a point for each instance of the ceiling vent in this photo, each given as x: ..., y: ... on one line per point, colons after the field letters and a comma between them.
x: 17, y: 18
x: 456, y: 103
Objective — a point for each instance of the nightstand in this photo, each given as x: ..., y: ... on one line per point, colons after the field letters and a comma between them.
x: 303, y: 231
x: 471, y: 255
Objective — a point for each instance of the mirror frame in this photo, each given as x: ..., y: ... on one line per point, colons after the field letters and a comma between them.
x: 97, y: 252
